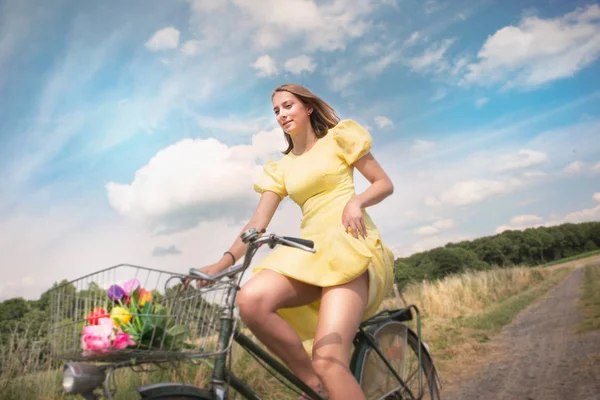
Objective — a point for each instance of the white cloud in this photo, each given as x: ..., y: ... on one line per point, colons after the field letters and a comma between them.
x: 534, y: 174
x: 173, y: 192
x: 432, y: 58
x: 574, y: 168
x: 521, y: 222
x: 300, y: 64
x: 233, y: 125
x: 432, y: 201
x: 342, y: 79
x: 192, y: 47
x: 575, y: 217
x: 586, y: 215
x: 265, y: 66
x: 370, y: 49
x: 474, y: 191
x: 432, y: 6
x: 428, y: 244
x: 481, y: 102
x: 435, y: 228
x: 426, y: 230
x: 207, y: 5
x: 538, y: 50
x: 160, y: 251
x: 383, y: 122
x: 164, y: 39
x: 439, y: 95
x: 275, y: 24
x: 422, y: 145
x: 413, y: 39
x: 596, y: 168
x: 524, y: 158
x: 444, y: 224
x: 378, y: 66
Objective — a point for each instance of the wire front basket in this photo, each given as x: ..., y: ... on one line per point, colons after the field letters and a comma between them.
x: 129, y: 312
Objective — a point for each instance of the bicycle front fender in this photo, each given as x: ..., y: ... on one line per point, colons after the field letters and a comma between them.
x: 169, y: 390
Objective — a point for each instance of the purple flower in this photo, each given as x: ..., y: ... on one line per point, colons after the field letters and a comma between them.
x: 115, y: 293
x: 130, y: 286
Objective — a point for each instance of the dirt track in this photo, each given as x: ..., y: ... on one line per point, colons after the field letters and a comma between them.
x: 543, y: 357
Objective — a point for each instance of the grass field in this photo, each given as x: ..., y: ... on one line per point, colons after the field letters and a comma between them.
x: 590, y: 298
x: 574, y: 258
x: 459, y: 315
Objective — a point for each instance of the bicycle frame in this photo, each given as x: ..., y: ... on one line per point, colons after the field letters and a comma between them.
x: 220, y: 373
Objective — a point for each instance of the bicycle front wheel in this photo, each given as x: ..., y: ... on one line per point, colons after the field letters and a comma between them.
x: 400, y: 346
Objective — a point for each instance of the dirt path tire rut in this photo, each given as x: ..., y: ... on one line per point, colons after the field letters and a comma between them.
x: 545, y: 359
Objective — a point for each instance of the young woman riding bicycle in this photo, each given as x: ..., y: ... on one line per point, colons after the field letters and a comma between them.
x: 306, y: 308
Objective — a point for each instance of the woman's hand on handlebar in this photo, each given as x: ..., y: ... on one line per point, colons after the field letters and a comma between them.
x: 212, y: 269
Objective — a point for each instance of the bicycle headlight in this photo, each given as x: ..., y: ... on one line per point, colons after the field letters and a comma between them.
x: 82, y: 378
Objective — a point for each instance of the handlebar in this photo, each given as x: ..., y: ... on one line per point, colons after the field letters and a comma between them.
x: 255, y: 240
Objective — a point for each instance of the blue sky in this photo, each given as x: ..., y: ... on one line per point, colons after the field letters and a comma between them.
x: 131, y: 132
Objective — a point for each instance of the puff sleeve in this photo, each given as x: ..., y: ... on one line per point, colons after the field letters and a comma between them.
x: 271, y: 180
x: 352, y: 141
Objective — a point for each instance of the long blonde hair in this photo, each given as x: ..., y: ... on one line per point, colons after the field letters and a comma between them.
x: 323, y: 116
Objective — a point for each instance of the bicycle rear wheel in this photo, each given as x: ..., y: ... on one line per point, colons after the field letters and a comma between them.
x: 400, y: 346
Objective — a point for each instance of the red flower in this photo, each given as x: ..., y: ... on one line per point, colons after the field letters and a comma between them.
x: 95, y: 315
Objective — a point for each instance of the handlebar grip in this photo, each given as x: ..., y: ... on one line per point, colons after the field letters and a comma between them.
x: 303, y: 242
x: 195, y: 272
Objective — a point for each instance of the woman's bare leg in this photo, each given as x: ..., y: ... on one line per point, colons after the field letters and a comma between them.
x: 258, y: 300
x: 340, y: 315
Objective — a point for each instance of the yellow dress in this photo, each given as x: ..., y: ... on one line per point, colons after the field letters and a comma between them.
x: 321, y: 182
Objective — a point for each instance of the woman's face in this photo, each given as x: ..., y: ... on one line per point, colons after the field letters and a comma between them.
x: 290, y: 112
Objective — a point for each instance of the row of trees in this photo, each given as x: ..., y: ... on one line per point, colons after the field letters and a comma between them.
x: 532, y: 247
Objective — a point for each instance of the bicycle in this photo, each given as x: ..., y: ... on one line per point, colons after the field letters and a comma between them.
x: 389, y: 360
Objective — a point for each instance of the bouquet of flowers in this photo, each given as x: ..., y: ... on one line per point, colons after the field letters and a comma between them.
x: 133, y: 321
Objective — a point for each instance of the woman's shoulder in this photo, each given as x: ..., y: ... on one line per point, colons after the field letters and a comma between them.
x: 350, y: 130
x: 345, y: 125
x: 352, y: 140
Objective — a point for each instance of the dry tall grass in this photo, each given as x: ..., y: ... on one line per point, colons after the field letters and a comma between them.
x: 24, y: 375
x: 471, y: 292
x: 25, y: 371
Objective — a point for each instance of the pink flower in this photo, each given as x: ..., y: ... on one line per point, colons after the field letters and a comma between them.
x: 122, y: 340
x: 130, y: 286
x: 98, y: 338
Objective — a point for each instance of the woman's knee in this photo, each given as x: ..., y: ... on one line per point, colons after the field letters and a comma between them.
x: 252, y: 303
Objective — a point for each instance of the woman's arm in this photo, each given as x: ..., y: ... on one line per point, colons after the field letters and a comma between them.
x: 381, y: 185
x: 267, y: 205
x: 380, y: 188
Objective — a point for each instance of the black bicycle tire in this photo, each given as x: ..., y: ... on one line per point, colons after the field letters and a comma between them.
x: 428, y: 365
x: 431, y: 378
